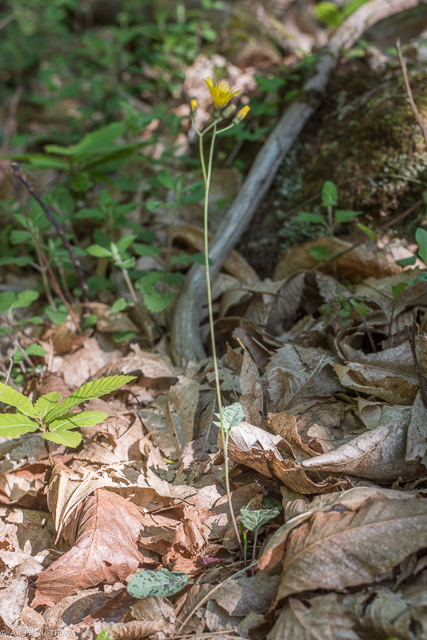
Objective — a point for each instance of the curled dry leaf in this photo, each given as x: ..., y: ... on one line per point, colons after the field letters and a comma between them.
x: 380, y: 383
x: 133, y: 629
x: 103, y: 534
x: 321, y: 617
x: 338, y: 549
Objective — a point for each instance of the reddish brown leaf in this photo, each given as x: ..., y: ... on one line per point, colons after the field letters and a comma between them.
x: 103, y: 531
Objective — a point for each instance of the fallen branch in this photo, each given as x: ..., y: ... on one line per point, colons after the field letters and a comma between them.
x: 186, y: 339
x: 50, y: 216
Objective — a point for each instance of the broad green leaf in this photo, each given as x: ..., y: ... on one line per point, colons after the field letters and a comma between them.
x: 161, y: 583
x: 119, y: 305
x: 197, y: 258
x: 7, y: 300
x: 125, y: 242
x: 68, y: 438
x: 89, y: 321
x: 95, y: 142
x: 152, y: 205
x: 25, y: 298
x: 362, y: 309
x: 35, y: 350
x: 97, y: 251
x: 166, y: 179
x: 371, y: 234
x: 94, y: 389
x: 77, y: 420
x: 157, y: 301
x: 95, y: 215
x: 19, y: 261
x: 311, y: 217
x: 232, y: 416
x: 398, y: 288
x: 421, y: 238
x: 329, y: 194
x: 19, y: 236
x: 254, y: 520
x: 18, y: 400
x: 57, y: 316
x: 47, y: 402
x: 15, y: 424
x: 43, y: 161
x: 319, y: 253
x: 345, y: 216
x: 146, y: 250
x: 406, y: 262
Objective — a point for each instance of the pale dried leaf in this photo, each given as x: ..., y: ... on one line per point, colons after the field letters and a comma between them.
x: 182, y: 404
x: 251, y: 398
x: 388, y: 386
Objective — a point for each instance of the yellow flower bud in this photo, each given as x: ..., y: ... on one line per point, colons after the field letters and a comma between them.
x: 193, y: 107
x: 241, y: 114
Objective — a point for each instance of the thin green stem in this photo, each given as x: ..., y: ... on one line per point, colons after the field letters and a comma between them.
x: 139, y: 309
x: 224, y: 437
x: 255, y: 541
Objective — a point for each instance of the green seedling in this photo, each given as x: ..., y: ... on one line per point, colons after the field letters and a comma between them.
x: 254, y: 520
x: 330, y: 222
x: 53, y: 418
x: 160, y: 584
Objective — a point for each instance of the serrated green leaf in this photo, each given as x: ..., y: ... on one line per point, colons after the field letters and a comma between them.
x: 7, y: 300
x: 398, y: 288
x: 25, y: 298
x: 345, y: 216
x: 316, y: 218
x: 94, y: 389
x: 46, y: 403
x: 254, y: 520
x: 97, y: 251
x: 18, y: 400
x: 35, y: 350
x: 161, y: 584
x: 157, y: 301
x: 319, y: 253
x: 147, y: 283
x: 406, y: 262
x: 329, y: 194
x: 68, y: 438
x: 232, y: 416
x: 77, y: 420
x: 421, y: 238
x: 15, y: 424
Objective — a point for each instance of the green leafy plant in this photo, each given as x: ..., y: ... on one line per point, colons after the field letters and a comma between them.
x: 332, y: 16
x: 161, y: 583
x: 333, y: 218
x: 53, y: 418
x: 254, y: 520
x: 104, y: 635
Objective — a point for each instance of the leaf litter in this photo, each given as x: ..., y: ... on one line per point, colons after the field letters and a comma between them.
x: 332, y: 432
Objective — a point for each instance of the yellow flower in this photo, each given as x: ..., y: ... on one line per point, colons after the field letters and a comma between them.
x: 241, y: 114
x: 220, y: 94
x: 193, y: 106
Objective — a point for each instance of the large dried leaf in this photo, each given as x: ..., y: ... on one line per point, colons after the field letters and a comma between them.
x: 103, y: 533
x: 381, y: 383
x: 251, y: 398
x: 378, y: 454
x: 417, y: 432
x: 320, y: 618
x: 251, y: 446
x: 340, y: 549
x: 182, y: 404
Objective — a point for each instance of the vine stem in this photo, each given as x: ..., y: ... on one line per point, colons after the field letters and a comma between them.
x: 207, y: 174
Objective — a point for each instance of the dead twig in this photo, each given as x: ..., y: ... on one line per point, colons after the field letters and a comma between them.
x: 50, y: 216
x: 410, y: 332
x: 409, y: 92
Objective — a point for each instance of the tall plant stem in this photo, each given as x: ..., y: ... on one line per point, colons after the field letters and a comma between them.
x: 207, y: 175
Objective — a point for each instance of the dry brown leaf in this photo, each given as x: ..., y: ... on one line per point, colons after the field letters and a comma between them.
x: 301, y: 480
x: 80, y: 365
x: 388, y: 386
x: 103, y: 534
x: 340, y: 549
x: 355, y: 266
x: 251, y: 446
x: 242, y: 595
x: 378, y: 454
x: 34, y: 530
x: 133, y: 629
x: 109, y: 322
x: 386, y: 613
x: 319, y: 618
x: 252, y: 397
x: 417, y: 435
x: 182, y: 405
x: 351, y: 499
x: 152, y: 609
